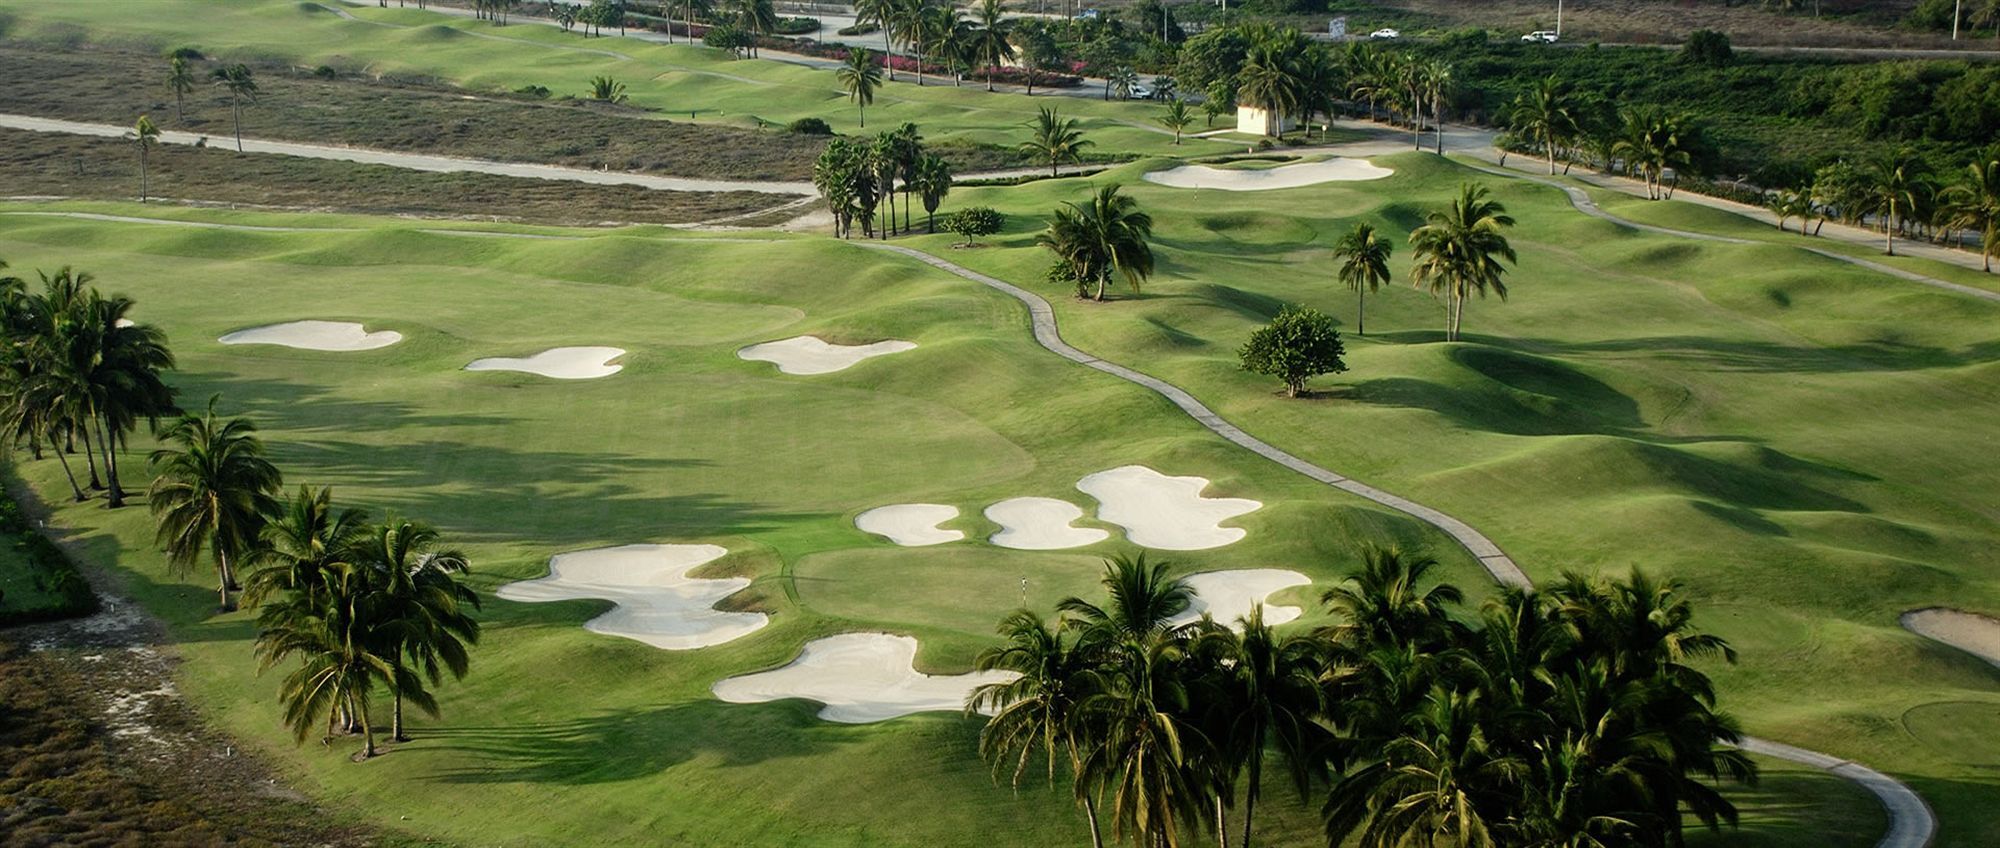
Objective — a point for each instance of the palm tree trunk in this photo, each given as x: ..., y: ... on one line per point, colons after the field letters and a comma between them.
x: 90, y: 458
x: 115, y: 496
x: 1552, y: 158
x: 396, y: 732
x: 236, y: 111
x: 80, y: 496
x: 367, y: 735
x: 179, y: 98
x: 1360, y: 311
x: 1090, y: 813
x: 888, y: 53
x: 1221, y: 823
x: 223, y: 581
x: 1888, y: 230
x: 142, y: 175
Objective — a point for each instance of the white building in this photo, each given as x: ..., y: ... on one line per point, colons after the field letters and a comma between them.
x: 1256, y: 120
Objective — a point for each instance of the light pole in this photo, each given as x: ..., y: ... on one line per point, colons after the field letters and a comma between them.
x: 1957, y: 6
x: 1559, y: 18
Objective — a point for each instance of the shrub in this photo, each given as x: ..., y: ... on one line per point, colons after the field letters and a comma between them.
x: 54, y: 573
x: 541, y: 91
x: 860, y: 29
x: 810, y: 126
x: 1296, y: 346
x: 796, y: 26
x: 326, y: 72
x: 731, y: 38
x: 1707, y: 47
x: 185, y: 52
x: 975, y: 221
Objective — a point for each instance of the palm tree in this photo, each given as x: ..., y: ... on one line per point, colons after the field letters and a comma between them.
x: 1364, y: 267
x: 606, y: 90
x: 242, y: 87
x: 1177, y: 118
x: 757, y: 17
x: 1897, y: 184
x: 1120, y: 81
x: 990, y: 44
x: 1545, y: 114
x: 1094, y: 241
x: 1272, y: 696
x: 886, y: 14
x: 1428, y: 787
x: 1144, y: 601
x: 860, y: 77
x: 1975, y: 205
x: 1386, y: 603
x: 1268, y: 83
x: 1787, y: 205
x: 329, y: 631
x: 180, y: 78
x: 1056, y: 140
x: 211, y: 489
x: 1039, y: 712
x: 1437, y: 85
x: 119, y: 363
x: 143, y: 135
x: 1459, y: 251
x: 422, y: 611
x: 300, y: 545
x: 1987, y: 13
x: 933, y: 182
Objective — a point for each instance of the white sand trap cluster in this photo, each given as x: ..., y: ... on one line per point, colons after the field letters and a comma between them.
x: 1040, y: 524
x: 910, y: 525
x: 315, y: 335
x: 1230, y: 595
x: 812, y: 355
x: 1972, y: 633
x: 562, y: 363
x: 1162, y: 512
x: 1265, y: 179
x: 860, y: 678
x: 657, y: 602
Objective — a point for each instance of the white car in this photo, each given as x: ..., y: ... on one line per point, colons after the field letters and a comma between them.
x: 1541, y: 36
x: 1385, y: 34
x: 1141, y: 92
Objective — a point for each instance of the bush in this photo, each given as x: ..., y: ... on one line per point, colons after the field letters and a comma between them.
x: 859, y: 29
x: 796, y: 26
x: 975, y: 221
x: 540, y: 91
x: 185, y: 52
x: 54, y: 573
x: 1296, y: 346
x: 1707, y: 47
x: 730, y: 38
x: 326, y: 72
x: 810, y: 126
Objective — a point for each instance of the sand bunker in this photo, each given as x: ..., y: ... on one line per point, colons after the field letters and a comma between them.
x: 810, y: 355
x: 1040, y: 524
x: 657, y: 603
x: 860, y: 678
x: 910, y: 525
x: 1230, y: 595
x: 1972, y: 633
x: 562, y: 363
x: 315, y: 335
x: 1264, y: 179
x: 1166, y: 513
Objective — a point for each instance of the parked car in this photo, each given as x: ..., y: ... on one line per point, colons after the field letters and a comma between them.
x: 1141, y: 92
x: 1541, y: 36
x: 1385, y: 34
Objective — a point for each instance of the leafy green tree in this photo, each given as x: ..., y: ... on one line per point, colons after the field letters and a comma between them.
x: 860, y: 76
x: 1298, y: 345
x: 1364, y: 267
x: 973, y: 222
x: 1707, y: 47
x: 1056, y: 140
x: 1106, y: 237
x: 180, y: 79
x: 757, y: 18
x: 1787, y: 205
x: 303, y: 540
x: 1459, y: 250
x: 341, y: 663
x: 144, y: 137
x: 211, y: 489
x: 241, y: 84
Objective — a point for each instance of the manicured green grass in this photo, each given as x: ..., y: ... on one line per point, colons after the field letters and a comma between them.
x: 1808, y: 444
x: 20, y: 583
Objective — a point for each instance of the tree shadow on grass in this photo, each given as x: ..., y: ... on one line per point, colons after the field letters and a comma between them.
x: 307, y: 407
x: 1765, y: 357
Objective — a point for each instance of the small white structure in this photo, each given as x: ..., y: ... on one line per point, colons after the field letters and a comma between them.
x: 1257, y: 120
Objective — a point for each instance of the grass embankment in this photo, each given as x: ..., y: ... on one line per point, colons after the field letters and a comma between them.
x: 1807, y: 443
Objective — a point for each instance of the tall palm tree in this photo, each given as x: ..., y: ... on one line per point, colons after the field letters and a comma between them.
x: 180, y: 78
x: 1272, y: 697
x: 1974, y: 205
x: 860, y: 76
x: 757, y: 17
x: 341, y: 664
x: 1268, y: 82
x: 1429, y: 785
x: 1897, y: 184
x: 422, y: 612
x: 1437, y: 84
x: 1105, y: 237
x: 1545, y: 114
x: 300, y: 545
x: 144, y: 136
x: 932, y: 183
x: 1143, y: 601
x: 1458, y: 251
x: 211, y: 489
x: 1387, y: 602
x: 1056, y: 140
x: 886, y: 14
x: 120, y: 362
x: 1039, y: 712
x: 990, y: 42
x: 1364, y: 267
x: 241, y: 84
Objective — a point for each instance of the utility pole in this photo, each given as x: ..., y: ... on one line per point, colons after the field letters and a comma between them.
x: 1957, y: 7
x: 1559, y: 18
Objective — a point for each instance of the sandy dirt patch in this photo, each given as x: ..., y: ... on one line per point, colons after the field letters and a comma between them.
x: 656, y: 601
x: 1040, y: 524
x: 1230, y: 595
x: 859, y: 678
x: 811, y: 355
x: 562, y: 363
x: 315, y: 335
x: 910, y: 525
x: 1970, y: 632
x: 1162, y: 512
x: 1264, y: 179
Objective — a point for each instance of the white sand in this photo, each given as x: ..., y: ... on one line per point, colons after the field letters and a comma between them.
x: 562, y: 363
x: 811, y: 355
x: 124, y: 322
x: 1165, y: 513
x: 1972, y: 633
x: 860, y: 678
x: 1040, y: 524
x: 1230, y: 595
x: 1264, y: 179
x: 656, y: 602
x: 910, y: 525
x: 315, y: 335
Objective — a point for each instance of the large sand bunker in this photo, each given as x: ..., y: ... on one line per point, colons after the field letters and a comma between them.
x: 1230, y: 595
x: 811, y: 355
x: 315, y: 335
x: 1162, y: 512
x: 1040, y: 524
x: 656, y: 602
x: 1264, y: 179
x: 910, y: 525
x: 860, y: 678
x: 562, y: 363
x: 1970, y: 632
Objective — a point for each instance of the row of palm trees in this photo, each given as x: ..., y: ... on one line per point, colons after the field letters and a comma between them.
x: 938, y: 33
x: 1900, y: 193
x: 1643, y: 141
x: 858, y: 178
x: 237, y: 80
x: 1294, y: 77
x: 1572, y: 717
